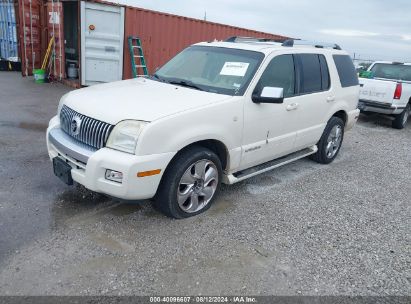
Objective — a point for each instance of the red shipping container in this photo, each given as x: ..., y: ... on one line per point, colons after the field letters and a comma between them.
x: 29, y: 32
x: 164, y: 35
x: 55, y: 28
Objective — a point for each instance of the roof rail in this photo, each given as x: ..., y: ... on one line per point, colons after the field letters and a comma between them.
x: 253, y: 39
x: 292, y: 42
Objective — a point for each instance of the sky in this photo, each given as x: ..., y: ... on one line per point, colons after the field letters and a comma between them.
x: 372, y: 29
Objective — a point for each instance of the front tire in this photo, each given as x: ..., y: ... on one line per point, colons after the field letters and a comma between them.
x: 189, y: 184
x: 401, y: 120
x: 330, y: 142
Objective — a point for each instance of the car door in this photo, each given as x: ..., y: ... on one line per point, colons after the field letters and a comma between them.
x: 102, y: 35
x: 268, y: 133
x: 314, y: 99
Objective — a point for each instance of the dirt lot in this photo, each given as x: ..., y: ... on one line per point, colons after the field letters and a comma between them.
x: 341, y: 229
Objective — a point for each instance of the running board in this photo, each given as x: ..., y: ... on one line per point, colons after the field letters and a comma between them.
x: 270, y: 165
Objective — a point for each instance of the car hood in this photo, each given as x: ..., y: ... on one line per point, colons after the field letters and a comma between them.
x: 139, y: 99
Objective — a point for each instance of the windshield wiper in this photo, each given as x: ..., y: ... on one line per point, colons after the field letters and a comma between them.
x: 158, y: 78
x: 186, y: 83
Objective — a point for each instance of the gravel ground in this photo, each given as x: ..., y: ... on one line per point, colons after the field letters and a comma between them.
x: 303, y: 229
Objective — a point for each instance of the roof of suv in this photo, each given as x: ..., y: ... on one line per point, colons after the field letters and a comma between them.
x: 267, y: 47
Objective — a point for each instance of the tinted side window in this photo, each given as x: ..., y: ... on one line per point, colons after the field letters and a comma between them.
x: 346, y: 70
x: 279, y: 73
x: 310, y: 73
x: 325, y: 75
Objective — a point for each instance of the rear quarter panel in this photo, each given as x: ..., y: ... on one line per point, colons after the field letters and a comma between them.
x: 346, y: 99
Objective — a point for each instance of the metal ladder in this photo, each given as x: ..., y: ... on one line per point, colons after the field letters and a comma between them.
x: 135, y: 43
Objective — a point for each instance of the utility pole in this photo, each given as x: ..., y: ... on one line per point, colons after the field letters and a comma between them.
x: 205, y: 15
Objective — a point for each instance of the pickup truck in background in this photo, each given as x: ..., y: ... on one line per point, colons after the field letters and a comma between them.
x: 386, y: 88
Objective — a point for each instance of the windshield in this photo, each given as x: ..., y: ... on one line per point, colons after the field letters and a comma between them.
x: 212, y: 69
x: 392, y: 71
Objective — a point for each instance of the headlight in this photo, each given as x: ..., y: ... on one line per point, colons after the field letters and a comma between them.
x: 125, y: 134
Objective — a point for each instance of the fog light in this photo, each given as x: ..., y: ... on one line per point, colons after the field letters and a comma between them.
x: 114, y: 176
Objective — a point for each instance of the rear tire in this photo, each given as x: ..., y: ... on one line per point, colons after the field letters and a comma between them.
x: 190, y: 183
x: 330, y: 142
x: 401, y: 120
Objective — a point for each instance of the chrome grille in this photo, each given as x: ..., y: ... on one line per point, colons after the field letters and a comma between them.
x: 85, y: 129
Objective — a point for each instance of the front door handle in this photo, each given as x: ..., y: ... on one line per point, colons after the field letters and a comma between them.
x: 292, y: 106
x: 330, y: 98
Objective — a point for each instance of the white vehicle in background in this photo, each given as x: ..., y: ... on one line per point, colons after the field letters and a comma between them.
x: 217, y: 112
x: 387, y: 91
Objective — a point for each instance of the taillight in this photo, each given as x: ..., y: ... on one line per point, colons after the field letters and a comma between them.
x: 398, y: 91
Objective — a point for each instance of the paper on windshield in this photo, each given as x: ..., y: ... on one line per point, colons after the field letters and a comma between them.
x: 234, y: 68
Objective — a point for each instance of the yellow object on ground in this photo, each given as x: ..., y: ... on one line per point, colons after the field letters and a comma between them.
x: 46, y: 57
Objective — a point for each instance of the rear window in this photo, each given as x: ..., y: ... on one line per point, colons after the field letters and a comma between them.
x: 392, y: 71
x: 346, y: 70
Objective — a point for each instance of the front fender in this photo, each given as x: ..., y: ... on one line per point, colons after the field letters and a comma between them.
x: 222, y: 122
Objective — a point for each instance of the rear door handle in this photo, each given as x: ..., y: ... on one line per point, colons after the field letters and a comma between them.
x: 330, y: 98
x: 292, y: 106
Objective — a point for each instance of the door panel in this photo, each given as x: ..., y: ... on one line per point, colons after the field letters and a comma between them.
x: 309, y: 121
x: 102, y: 36
x: 268, y: 133
x: 315, y: 100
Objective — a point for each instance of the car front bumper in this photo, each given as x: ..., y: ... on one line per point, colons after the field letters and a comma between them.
x: 377, y: 107
x: 89, y: 167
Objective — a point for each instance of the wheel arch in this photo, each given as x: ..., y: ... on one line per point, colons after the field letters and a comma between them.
x: 214, y: 145
x: 341, y: 114
x: 218, y: 147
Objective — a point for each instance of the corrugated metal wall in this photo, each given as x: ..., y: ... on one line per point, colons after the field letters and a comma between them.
x: 29, y: 29
x: 37, y: 22
x: 164, y: 35
x: 55, y: 29
x: 8, y: 34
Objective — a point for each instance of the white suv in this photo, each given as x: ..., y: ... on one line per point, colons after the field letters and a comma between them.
x: 217, y: 112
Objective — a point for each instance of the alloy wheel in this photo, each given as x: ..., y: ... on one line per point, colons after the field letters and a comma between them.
x: 197, y: 186
x: 334, y: 141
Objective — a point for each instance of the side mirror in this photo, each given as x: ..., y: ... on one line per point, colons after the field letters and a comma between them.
x: 269, y: 95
